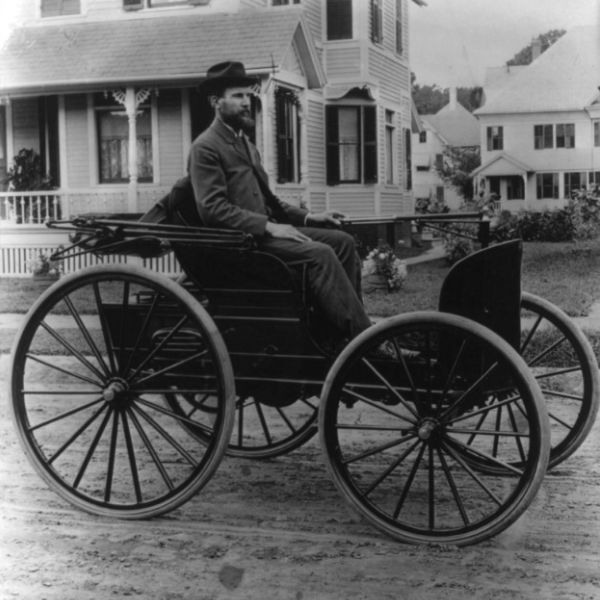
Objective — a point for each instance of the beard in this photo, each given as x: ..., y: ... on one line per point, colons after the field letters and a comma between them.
x: 238, y: 121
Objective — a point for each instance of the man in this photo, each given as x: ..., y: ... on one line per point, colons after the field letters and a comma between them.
x: 231, y: 191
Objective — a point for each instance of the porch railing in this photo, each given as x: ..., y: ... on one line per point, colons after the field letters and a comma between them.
x: 34, y: 208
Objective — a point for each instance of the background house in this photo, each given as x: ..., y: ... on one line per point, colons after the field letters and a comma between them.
x: 105, y: 91
x: 540, y: 127
x: 453, y: 125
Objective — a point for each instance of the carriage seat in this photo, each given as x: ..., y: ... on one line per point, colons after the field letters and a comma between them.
x: 486, y: 287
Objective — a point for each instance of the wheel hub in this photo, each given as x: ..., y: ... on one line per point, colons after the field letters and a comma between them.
x: 115, y: 391
x: 427, y: 428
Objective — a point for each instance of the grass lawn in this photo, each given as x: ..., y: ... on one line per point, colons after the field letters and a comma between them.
x: 566, y: 274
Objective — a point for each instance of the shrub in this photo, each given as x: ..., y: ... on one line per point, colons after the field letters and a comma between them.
x: 584, y: 212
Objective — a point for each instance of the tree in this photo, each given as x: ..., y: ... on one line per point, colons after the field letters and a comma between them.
x: 525, y: 55
x: 456, y: 167
x: 429, y: 99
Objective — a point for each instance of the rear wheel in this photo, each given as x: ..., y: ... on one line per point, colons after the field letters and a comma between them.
x: 90, y: 368
x: 408, y: 410
x: 563, y: 362
x: 261, y: 429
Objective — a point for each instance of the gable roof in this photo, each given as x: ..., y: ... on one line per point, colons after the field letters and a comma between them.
x: 148, y: 51
x: 565, y: 77
x: 503, y: 164
x: 455, y: 125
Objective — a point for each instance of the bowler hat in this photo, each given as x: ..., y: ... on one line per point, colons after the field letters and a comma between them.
x: 226, y: 74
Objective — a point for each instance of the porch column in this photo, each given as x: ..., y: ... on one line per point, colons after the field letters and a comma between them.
x: 130, y: 100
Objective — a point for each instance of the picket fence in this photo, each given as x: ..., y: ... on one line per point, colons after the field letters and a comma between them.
x: 21, y: 247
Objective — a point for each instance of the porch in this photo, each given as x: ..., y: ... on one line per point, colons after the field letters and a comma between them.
x: 24, y: 236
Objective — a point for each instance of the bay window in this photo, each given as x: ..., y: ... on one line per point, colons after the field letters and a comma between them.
x: 351, y: 144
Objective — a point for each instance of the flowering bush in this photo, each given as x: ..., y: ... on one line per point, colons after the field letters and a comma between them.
x: 42, y: 264
x: 383, y: 261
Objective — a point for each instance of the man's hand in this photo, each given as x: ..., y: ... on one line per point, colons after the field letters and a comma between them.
x: 325, y: 219
x: 287, y: 232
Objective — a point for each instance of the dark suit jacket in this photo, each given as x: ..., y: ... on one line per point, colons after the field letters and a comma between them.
x: 225, y: 179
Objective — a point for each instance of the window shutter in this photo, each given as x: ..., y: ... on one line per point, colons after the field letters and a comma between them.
x: 133, y: 4
x: 339, y: 19
x: 370, y: 144
x: 332, y: 133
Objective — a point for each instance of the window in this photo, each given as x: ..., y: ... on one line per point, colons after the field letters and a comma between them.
x: 137, y: 4
x: 439, y: 194
x: 422, y: 137
x: 565, y: 135
x: 439, y: 162
x: 376, y: 22
x: 389, y: 146
x: 285, y: 2
x: 495, y: 138
x: 596, y: 133
x: 339, y: 19
x: 546, y: 185
x: 113, y: 141
x: 408, y: 158
x: 351, y: 144
x: 287, y: 121
x: 3, y: 158
x: 57, y: 8
x: 574, y: 181
x: 399, y: 47
x: 594, y: 178
x: 515, y: 188
x: 543, y: 136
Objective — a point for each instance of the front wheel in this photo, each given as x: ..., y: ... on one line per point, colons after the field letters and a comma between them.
x: 411, y: 407
x: 91, y: 365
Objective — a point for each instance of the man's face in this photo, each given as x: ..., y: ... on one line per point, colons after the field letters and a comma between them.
x: 233, y: 106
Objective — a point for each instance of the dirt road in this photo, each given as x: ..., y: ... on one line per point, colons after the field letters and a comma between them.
x: 279, y: 530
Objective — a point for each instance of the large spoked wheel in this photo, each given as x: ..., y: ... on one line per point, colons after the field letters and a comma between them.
x: 261, y: 429
x: 90, y: 369
x: 563, y: 362
x: 408, y: 410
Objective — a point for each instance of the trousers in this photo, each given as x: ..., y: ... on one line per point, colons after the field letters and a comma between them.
x: 333, y: 273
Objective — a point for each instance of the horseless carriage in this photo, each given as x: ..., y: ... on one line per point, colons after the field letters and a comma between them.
x: 128, y: 388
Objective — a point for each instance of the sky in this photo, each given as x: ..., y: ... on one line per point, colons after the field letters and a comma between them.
x: 452, y: 42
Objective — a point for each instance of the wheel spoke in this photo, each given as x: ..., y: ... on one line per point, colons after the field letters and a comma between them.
x: 530, y: 335
x: 477, y: 384
x: 111, y: 456
x: 159, y: 346
x: 390, y: 387
x: 170, y: 368
x: 92, y: 448
x: 485, y: 456
x: 75, y: 435
x: 453, y: 488
x: 132, y: 460
x: 263, y: 423
x: 141, y: 334
x: 409, y: 482
x: 377, y: 405
x: 174, y: 415
x: 166, y: 435
x: 377, y: 449
x: 108, y: 342
x: 392, y: 467
x: 86, y: 334
x: 65, y: 414
x: 123, y: 327
x: 153, y: 454
x: 471, y: 473
x: 547, y: 351
x: 62, y: 370
x: 78, y: 355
